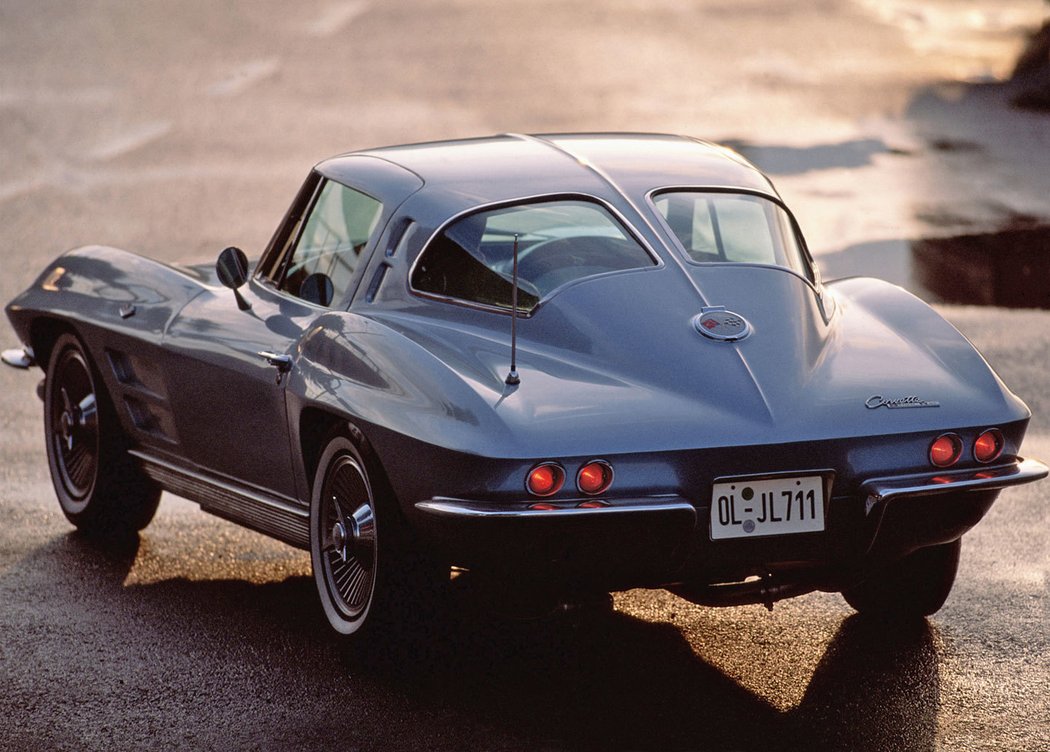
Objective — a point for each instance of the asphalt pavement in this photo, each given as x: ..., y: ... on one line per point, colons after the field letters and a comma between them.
x: 176, y: 129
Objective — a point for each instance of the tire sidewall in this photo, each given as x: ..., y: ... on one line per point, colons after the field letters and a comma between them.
x: 915, y: 586
x: 337, y: 448
x: 76, y: 510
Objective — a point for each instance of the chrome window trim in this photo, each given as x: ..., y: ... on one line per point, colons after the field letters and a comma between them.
x: 266, y: 284
x: 274, y: 285
x: 271, y: 249
x: 293, y: 239
x: 521, y: 201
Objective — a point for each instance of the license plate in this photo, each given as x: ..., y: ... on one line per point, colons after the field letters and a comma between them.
x: 746, y: 508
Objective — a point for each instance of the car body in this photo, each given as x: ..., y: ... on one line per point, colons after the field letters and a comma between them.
x: 578, y: 363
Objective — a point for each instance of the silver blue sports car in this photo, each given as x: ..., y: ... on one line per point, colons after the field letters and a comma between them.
x: 569, y: 363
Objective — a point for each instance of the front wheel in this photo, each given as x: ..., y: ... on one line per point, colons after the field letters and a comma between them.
x: 99, y: 487
x: 916, y: 586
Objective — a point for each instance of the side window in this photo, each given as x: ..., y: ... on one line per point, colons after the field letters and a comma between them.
x: 328, y: 250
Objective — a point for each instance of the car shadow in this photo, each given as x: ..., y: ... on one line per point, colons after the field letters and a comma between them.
x: 603, y: 679
x: 590, y: 679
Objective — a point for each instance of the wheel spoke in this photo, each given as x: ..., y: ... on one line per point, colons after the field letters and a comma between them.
x: 346, y: 570
x: 353, y: 591
x: 345, y: 587
x: 76, y: 462
x: 344, y: 573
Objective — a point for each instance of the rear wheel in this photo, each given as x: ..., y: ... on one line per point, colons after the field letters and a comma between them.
x: 368, y: 573
x: 99, y: 487
x: 917, y: 585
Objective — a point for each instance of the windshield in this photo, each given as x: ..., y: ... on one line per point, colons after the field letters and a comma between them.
x: 558, y: 242
x: 733, y: 227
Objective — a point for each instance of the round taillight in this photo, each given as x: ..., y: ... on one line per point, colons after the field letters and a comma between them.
x: 945, y: 450
x: 989, y: 445
x: 595, y: 477
x: 545, y: 479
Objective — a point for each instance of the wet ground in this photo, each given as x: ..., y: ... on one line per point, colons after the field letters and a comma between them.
x: 959, y: 179
x: 1009, y: 267
x: 178, y: 129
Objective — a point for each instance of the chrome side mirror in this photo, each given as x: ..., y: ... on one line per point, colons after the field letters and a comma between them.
x: 232, y: 270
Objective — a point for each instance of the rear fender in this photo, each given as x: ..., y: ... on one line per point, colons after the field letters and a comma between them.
x: 405, y: 400
x: 954, y: 365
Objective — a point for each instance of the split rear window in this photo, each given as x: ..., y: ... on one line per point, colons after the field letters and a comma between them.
x: 559, y: 242
x: 733, y: 227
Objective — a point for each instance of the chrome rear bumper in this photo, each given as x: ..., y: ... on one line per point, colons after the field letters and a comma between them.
x: 458, y: 508
x: 882, y: 490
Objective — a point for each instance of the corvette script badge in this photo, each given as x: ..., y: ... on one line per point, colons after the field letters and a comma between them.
x: 877, y: 400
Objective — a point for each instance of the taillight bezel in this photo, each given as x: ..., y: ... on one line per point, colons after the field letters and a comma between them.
x: 957, y: 450
x: 1000, y: 445
x: 607, y: 480
x: 559, y: 477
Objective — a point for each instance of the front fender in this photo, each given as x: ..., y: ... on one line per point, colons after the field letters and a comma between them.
x: 108, y: 288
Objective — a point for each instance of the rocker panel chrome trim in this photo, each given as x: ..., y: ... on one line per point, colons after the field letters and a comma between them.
x: 265, y: 514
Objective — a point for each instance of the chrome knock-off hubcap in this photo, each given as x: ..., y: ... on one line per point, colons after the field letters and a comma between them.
x: 363, y: 527
x: 354, y: 537
x: 339, y: 540
x: 74, y: 418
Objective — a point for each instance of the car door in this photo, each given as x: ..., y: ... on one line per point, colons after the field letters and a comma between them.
x: 226, y: 366
x: 227, y: 399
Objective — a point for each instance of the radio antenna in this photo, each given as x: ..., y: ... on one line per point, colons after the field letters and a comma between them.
x: 512, y: 377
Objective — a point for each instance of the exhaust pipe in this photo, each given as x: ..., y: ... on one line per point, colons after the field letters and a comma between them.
x: 765, y: 590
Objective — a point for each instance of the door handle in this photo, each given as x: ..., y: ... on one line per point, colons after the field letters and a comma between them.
x: 283, y: 363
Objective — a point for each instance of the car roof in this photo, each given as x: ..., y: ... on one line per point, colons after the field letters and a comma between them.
x: 497, y: 168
